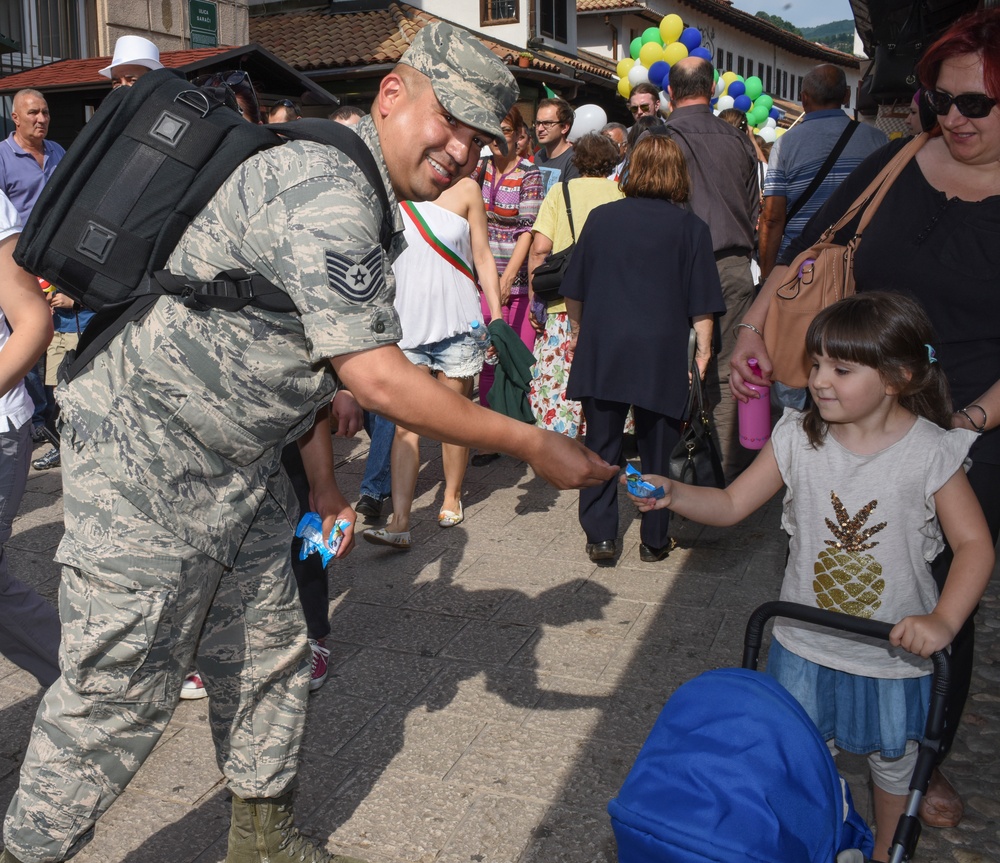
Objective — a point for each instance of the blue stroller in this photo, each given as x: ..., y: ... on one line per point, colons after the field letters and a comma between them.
x: 734, y: 770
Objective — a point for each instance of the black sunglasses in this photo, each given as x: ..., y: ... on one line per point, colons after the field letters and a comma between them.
x: 975, y: 106
x: 284, y: 103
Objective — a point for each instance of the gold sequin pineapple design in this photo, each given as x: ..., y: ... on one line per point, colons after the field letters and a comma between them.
x: 847, y: 580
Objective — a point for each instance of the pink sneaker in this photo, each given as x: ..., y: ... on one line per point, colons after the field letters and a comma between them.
x: 193, y: 687
x: 320, y: 666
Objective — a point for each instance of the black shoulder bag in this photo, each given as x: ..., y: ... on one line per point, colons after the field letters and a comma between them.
x: 546, y: 278
x: 695, y: 459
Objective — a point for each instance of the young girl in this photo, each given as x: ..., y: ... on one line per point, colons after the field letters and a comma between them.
x: 872, y: 477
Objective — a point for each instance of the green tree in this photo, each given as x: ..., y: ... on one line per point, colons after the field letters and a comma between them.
x: 778, y: 21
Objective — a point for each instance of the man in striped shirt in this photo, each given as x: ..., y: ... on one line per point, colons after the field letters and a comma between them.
x: 801, y: 152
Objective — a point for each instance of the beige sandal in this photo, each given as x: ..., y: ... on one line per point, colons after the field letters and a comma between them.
x: 447, y: 518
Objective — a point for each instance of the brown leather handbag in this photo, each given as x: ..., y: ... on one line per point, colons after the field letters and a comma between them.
x: 820, y: 276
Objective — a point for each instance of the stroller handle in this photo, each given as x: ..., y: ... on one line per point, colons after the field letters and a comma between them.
x: 847, y: 623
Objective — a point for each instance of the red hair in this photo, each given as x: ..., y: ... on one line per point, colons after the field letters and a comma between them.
x: 976, y: 33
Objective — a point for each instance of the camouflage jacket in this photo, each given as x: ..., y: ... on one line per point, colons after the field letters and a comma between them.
x: 192, y: 408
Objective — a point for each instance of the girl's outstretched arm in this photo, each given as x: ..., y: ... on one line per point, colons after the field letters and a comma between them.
x: 964, y: 527
x: 720, y: 507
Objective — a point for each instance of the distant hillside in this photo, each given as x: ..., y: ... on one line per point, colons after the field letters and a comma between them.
x: 836, y: 34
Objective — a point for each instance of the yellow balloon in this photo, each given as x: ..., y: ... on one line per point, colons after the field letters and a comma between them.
x: 650, y: 53
x: 675, y: 51
x: 671, y: 28
x: 729, y: 77
x: 624, y: 88
x: 623, y: 67
x: 779, y: 132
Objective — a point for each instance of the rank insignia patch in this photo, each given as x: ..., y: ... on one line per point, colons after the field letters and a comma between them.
x: 358, y: 281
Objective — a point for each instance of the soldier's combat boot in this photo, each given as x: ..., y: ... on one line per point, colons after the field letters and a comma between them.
x: 263, y: 831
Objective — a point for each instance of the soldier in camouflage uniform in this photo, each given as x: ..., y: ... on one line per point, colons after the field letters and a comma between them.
x: 178, y: 519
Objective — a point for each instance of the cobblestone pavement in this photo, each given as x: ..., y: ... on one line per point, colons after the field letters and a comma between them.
x: 490, y: 688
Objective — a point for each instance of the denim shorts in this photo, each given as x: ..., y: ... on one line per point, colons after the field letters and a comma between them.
x: 862, y: 714
x: 457, y: 356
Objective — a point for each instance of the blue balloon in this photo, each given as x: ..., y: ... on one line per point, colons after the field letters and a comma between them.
x: 690, y: 38
x: 742, y: 103
x: 737, y: 88
x: 774, y: 114
x: 701, y: 52
x: 658, y: 72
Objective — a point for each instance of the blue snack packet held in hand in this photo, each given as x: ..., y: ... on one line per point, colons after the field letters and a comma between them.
x: 638, y: 486
x: 310, y: 531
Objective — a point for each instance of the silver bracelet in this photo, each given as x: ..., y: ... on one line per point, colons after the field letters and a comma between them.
x: 964, y: 412
x: 749, y: 327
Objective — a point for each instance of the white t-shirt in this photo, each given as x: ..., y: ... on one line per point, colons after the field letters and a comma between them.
x: 15, y: 407
x: 887, y: 582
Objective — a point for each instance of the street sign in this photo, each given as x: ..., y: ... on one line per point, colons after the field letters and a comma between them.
x: 204, y: 18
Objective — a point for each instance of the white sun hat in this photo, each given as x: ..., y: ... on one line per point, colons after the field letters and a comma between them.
x: 134, y: 51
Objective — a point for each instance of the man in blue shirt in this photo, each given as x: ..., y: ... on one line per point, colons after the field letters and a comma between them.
x: 27, y: 160
x: 799, y: 154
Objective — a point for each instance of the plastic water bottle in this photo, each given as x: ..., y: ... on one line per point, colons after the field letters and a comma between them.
x: 481, y: 336
x: 755, y: 414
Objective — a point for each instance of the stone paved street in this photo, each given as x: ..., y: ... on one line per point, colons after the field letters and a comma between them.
x: 490, y: 688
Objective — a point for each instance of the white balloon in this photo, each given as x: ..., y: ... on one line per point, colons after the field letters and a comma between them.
x: 767, y: 133
x: 720, y: 85
x: 664, y: 102
x: 724, y: 103
x: 771, y: 123
x: 638, y: 74
x: 589, y: 118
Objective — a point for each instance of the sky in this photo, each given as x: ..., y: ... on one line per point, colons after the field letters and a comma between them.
x: 802, y: 13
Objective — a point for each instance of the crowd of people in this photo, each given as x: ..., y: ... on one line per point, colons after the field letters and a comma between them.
x: 176, y: 508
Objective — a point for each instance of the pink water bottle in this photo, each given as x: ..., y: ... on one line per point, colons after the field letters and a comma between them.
x: 755, y: 414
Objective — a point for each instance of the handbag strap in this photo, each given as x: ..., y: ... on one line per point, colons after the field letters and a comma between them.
x: 696, y: 398
x: 825, y: 169
x: 569, y: 211
x: 877, y: 189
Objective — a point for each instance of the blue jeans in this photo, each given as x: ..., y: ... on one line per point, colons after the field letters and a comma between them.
x: 29, y: 624
x: 377, y: 482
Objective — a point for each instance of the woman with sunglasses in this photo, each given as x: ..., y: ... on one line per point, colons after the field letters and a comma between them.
x: 936, y: 237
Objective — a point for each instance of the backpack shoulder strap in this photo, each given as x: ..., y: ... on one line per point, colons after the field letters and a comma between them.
x: 825, y: 169
x: 349, y: 142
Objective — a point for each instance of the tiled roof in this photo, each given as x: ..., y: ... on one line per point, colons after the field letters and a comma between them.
x: 318, y: 39
x: 724, y: 11
x: 75, y: 73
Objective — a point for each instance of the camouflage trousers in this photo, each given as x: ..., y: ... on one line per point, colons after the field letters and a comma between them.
x: 134, y: 600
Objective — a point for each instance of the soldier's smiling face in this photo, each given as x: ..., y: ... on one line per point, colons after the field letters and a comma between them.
x: 425, y: 149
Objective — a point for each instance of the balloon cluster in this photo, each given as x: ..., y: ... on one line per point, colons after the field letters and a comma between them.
x: 658, y: 48
x: 747, y: 95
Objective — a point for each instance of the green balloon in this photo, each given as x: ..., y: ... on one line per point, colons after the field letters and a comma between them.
x: 715, y: 75
x: 764, y: 101
x: 754, y: 87
x: 633, y: 48
x: 652, y: 34
x: 756, y: 116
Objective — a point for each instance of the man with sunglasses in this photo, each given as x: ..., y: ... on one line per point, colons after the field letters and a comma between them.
x: 283, y: 111
x: 644, y: 101
x: 178, y: 519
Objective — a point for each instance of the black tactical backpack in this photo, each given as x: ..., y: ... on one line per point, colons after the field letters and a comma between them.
x: 136, y: 176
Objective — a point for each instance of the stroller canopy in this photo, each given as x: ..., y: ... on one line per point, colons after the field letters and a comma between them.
x: 734, y: 769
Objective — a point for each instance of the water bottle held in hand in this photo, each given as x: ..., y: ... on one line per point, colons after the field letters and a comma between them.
x: 755, y: 414
x: 481, y: 336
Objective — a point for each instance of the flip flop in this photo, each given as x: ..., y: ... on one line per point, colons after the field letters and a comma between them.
x: 381, y: 536
x: 447, y: 518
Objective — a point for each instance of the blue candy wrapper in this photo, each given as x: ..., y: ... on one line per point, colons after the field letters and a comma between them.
x: 638, y: 486
x: 310, y: 531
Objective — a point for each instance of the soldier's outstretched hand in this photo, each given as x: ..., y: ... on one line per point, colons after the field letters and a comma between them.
x: 567, y: 463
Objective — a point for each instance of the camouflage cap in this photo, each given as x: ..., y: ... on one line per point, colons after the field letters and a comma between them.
x: 469, y: 80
